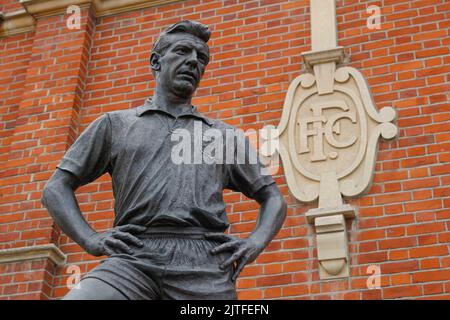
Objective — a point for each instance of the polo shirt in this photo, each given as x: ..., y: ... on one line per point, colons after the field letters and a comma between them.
x: 136, y: 147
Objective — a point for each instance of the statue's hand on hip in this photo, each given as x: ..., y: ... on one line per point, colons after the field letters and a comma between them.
x: 116, y: 240
x: 243, y: 251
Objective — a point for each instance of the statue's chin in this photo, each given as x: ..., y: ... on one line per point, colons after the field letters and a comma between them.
x: 184, y: 89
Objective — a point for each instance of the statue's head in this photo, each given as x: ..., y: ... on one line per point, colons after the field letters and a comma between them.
x: 179, y: 57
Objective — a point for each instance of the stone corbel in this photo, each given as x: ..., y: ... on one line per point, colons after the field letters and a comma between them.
x: 332, y: 253
x: 331, y: 231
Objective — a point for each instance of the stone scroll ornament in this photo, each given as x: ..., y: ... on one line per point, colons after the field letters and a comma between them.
x: 328, y: 138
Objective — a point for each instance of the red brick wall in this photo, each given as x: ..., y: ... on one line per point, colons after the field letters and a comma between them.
x: 402, y: 224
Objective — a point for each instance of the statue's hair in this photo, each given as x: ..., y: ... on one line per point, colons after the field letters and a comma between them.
x: 194, y: 28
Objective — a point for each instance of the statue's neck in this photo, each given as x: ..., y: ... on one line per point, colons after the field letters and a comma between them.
x: 171, y: 103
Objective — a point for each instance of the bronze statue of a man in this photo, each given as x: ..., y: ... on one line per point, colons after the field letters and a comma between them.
x: 168, y: 238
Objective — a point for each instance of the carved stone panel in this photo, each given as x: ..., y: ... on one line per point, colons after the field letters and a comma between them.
x: 328, y: 139
x: 331, y: 138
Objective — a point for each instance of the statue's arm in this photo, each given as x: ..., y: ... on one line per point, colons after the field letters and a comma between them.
x: 59, y: 199
x: 272, y: 214
x: 270, y: 219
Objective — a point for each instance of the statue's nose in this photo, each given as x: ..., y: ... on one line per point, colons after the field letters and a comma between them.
x: 192, y: 58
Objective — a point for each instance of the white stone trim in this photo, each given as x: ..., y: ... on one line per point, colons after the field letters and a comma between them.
x: 104, y: 8
x: 335, y: 55
x: 42, y: 8
x: 44, y: 251
x: 323, y: 18
x: 346, y: 210
x: 16, y: 22
x: 24, y: 20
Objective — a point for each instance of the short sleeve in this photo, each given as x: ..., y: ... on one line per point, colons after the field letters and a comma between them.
x: 89, y: 157
x: 246, y: 174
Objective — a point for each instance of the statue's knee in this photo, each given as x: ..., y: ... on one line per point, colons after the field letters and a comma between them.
x: 94, y: 289
x: 74, y: 294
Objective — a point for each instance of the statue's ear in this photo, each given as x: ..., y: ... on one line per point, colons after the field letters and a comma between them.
x: 154, y: 61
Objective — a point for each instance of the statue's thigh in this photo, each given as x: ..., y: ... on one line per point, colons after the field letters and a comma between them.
x: 94, y: 289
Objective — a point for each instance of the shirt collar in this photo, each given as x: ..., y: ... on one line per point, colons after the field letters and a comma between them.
x: 150, y: 106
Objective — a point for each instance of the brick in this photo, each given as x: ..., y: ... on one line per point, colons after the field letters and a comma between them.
x: 372, y: 257
x: 273, y: 280
x: 438, y: 275
x: 399, y: 279
x: 250, y: 295
x: 371, y: 234
x: 423, y: 205
x: 395, y: 220
x: 401, y: 291
x: 422, y: 183
x: 374, y: 294
x: 432, y: 263
x: 433, y: 288
x: 398, y: 267
x: 432, y: 227
x: 428, y: 251
x: 295, y: 290
x: 396, y: 243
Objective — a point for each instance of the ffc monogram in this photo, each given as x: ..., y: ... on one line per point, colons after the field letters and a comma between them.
x: 319, y: 126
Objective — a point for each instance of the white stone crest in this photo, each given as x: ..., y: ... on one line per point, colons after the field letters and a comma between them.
x: 334, y: 134
x: 328, y: 138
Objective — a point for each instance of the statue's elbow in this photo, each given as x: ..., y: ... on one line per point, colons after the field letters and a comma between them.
x: 281, y: 206
x: 52, y: 188
x: 47, y: 194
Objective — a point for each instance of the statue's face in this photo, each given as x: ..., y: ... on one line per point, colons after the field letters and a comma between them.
x: 183, y: 64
